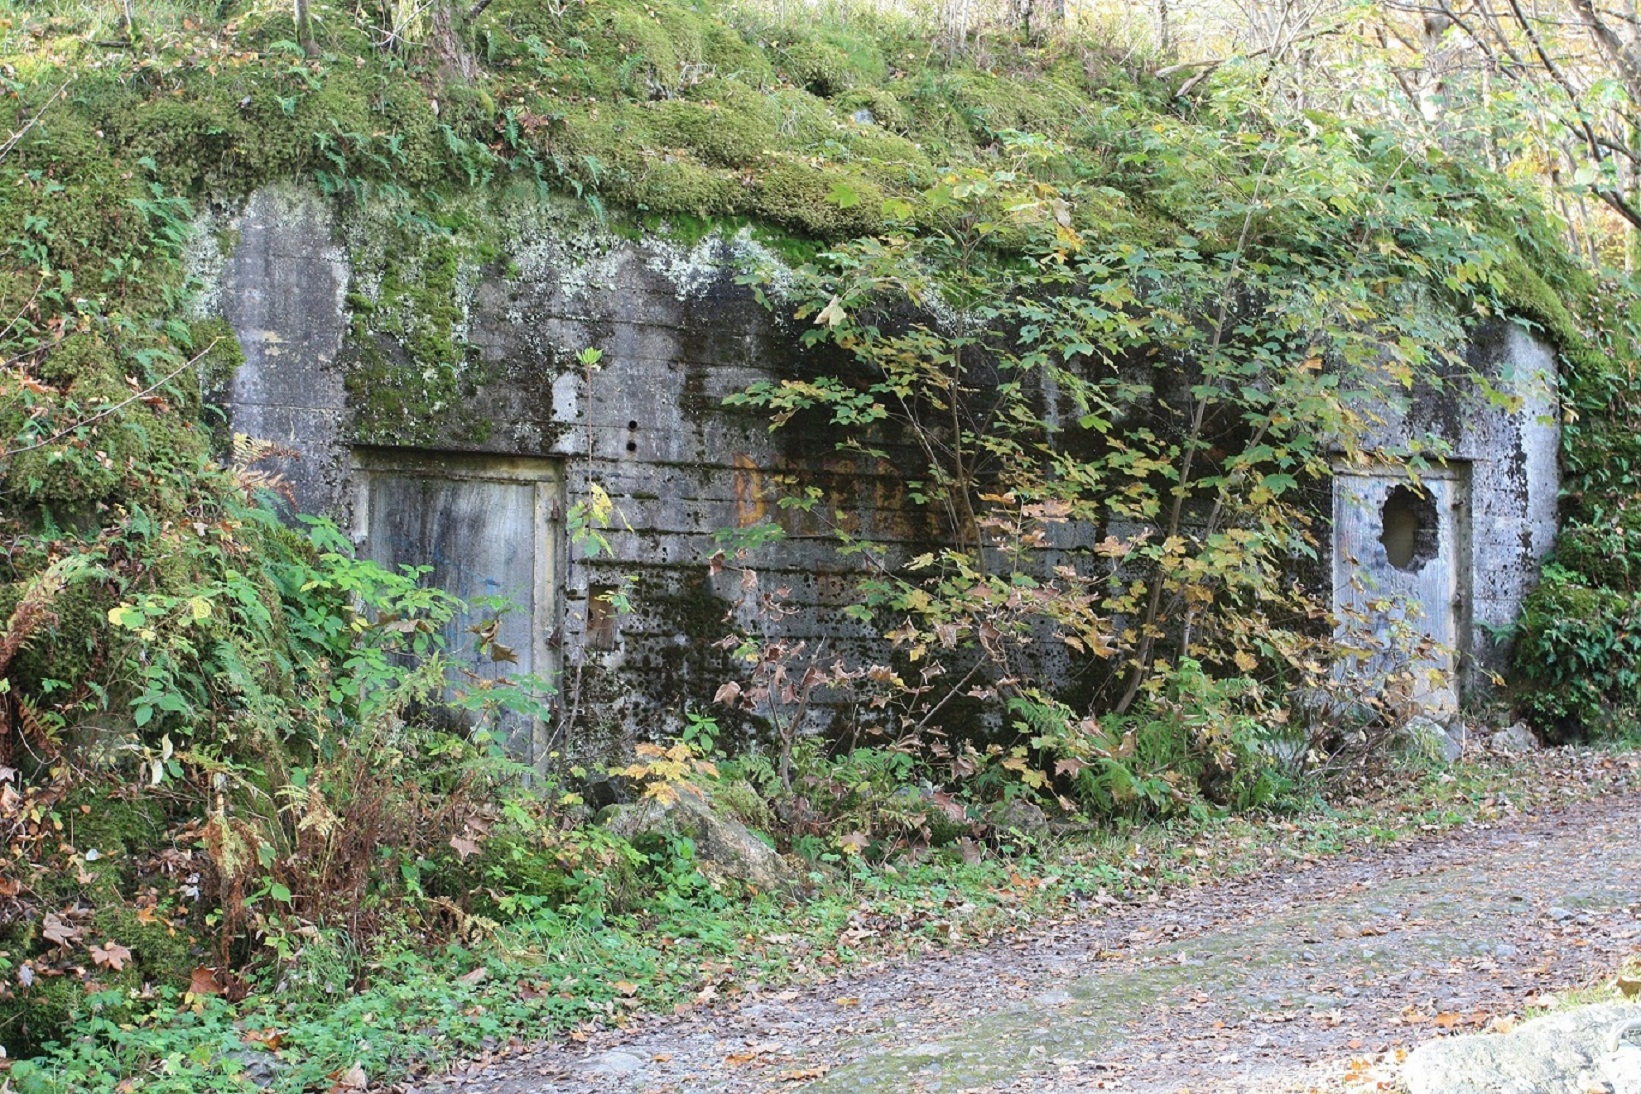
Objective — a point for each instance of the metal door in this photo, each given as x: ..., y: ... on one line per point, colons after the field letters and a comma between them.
x: 487, y: 527
x: 1401, y: 568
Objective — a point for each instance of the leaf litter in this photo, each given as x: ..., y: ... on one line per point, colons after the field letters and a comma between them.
x: 1320, y: 975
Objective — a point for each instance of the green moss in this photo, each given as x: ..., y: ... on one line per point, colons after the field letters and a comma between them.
x: 1607, y: 556
x: 410, y: 368
x: 95, y: 454
x: 884, y: 106
x: 718, y: 136
x: 219, y: 353
x: 741, y: 801
x: 684, y: 188
x: 801, y: 196
x: 111, y: 831
x: 990, y: 104
x: 819, y: 67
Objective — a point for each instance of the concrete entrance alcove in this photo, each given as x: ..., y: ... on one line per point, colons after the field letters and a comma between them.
x: 488, y: 526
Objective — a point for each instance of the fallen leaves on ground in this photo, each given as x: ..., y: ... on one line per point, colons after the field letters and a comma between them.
x: 110, y: 955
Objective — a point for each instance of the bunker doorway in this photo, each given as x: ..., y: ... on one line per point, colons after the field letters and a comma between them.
x: 1401, y: 579
x: 489, y: 527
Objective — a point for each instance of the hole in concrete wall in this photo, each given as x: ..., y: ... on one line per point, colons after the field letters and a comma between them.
x: 632, y: 425
x: 601, y: 617
x: 1408, y: 523
x: 632, y: 446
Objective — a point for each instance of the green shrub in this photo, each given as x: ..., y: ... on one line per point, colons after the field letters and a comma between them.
x: 1577, y: 655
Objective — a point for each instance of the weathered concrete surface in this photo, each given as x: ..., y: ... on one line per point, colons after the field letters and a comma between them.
x: 649, y: 426
x: 1494, y: 483
x: 283, y: 290
x: 1555, y: 1054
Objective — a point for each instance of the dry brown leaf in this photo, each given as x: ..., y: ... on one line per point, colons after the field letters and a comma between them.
x: 204, y: 982
x: 353, y: 1078
x: 803, y: 1074
x: 59, y: 932
x: 110, y: 955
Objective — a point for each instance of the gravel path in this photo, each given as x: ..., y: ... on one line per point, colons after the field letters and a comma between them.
x: 1313, y: 978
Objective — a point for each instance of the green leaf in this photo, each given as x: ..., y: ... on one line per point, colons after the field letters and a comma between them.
x: 897, y: 209
x: 844, y: 196
x: 127, y: 616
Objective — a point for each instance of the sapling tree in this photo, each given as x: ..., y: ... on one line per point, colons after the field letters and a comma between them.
x: 1128, y: 366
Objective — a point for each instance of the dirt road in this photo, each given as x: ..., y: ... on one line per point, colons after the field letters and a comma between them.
x: 1306, y: 979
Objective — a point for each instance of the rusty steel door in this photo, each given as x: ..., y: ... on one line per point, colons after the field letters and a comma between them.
x: 1401, y: 572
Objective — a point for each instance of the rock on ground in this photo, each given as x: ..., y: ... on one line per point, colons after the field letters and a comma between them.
x: 722, y: 844
x: 1554, y: 1054
x: 1426, y: 736
x: 1517, y: 738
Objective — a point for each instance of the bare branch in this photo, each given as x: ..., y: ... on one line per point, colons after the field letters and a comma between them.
x: 11, y: 142
x: 106, y: 411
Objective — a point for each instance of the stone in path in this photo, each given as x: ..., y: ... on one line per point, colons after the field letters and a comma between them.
x: 1560, y: 1053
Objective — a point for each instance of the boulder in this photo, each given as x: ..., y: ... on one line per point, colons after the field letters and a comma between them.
x: 1424, y: 736
x: 1024, y: 818
x: 1517, y: 738
x: 1556, y: 1054
x: 723, y: 845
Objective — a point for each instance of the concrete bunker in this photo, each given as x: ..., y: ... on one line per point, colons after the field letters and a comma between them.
x: 1447, y: 553
x: 1432, y: 557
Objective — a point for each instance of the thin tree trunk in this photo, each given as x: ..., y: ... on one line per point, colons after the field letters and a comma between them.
x: 304, y: 29
x: 448, y: 49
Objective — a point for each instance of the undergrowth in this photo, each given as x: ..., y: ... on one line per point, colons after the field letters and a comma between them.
x: 591, y: 963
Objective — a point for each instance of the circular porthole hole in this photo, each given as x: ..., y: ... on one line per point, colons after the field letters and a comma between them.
x: 1408, y: 528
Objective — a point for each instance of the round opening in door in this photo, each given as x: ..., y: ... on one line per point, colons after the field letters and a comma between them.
x: 1408, y: 523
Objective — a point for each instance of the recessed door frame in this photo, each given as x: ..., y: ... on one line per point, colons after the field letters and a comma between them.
x: 1359, y: 488
x: 546, y: 478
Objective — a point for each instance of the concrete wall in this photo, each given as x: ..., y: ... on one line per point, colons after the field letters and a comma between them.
x: 1497, y: 433
x: 649, y: 425
x: 283, y: 290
